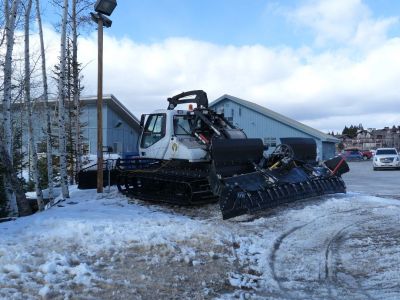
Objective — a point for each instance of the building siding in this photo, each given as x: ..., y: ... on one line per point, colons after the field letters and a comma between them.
x: 117, y: 133
x: 120, y: 136
x: 125, y: 135
x: 257, y: 125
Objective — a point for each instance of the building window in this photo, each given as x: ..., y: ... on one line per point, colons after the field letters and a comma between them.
x: 232, y: 112
x: 270, y: 141
x: 240, y: 111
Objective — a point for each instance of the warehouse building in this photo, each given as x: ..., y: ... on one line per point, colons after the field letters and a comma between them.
x: 260, y: 122
x: 121, y: 129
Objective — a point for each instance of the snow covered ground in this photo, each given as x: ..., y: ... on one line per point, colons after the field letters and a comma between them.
x: 334, y: 247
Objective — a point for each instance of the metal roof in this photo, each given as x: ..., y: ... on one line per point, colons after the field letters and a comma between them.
x: 108, y: 99
x: 278, y: 117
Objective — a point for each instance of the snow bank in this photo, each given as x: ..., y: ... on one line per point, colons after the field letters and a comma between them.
x: 342, y: 246
x: 46, y: 251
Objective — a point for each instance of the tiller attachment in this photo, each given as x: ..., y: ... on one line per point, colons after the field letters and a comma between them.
x: 247, y: 182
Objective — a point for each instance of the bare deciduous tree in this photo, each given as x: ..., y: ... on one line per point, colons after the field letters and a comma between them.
x: 27, y: 96
x: 7, y: 97
x: 61, y: 105
x: 47, y: 108
x: 75, y: 88
x: 10, y: 16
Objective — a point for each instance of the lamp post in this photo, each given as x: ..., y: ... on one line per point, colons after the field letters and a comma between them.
x: 102, y: 7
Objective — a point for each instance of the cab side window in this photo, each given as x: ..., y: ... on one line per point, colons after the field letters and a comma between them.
x: 153, y: 131
x: 182, y: 125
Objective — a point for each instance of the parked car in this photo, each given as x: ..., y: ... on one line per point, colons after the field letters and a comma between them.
x: 386, y: 158
x: 366, y: 154
x: 351, y: 155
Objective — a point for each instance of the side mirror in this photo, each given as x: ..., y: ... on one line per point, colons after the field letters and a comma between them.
x: 142, y: 118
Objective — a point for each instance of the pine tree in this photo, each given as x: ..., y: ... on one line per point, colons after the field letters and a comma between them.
x: 74, y: 127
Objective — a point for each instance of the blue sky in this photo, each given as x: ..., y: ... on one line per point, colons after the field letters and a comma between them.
x: 327, y: 63
x: 224, y: 22
x: 236, y: 22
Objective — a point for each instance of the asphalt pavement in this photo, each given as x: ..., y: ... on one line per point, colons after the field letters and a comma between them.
x: 362, y: 178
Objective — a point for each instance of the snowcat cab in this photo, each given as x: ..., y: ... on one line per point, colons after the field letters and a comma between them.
x: 197, y: 156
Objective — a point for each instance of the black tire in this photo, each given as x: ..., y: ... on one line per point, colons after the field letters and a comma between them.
x: 375, y: 169
x: 365, y: 157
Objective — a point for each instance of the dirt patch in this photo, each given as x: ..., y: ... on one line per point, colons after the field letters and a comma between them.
x: 163, y: 272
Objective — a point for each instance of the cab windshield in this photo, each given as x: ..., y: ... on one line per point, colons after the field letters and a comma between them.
x: 386, y: 152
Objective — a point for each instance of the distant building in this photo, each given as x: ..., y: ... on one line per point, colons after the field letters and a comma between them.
x: 377, y: 138
x: 121, y: 128
x: 260, y: 122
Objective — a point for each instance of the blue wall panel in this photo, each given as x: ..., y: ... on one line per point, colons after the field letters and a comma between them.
x: 257, y: 125
x: 117, y: 133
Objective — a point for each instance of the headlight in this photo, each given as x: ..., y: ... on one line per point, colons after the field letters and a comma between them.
x: 375, y: 158
x: 396, y: 158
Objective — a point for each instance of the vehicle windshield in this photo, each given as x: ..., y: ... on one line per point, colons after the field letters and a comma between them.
x: 386, y: 152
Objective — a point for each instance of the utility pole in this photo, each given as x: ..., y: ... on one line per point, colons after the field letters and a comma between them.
x: 102, y: 7
x: 100, y: 107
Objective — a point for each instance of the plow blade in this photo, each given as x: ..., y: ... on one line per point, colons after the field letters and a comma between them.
x: 250, y: 193
x: 243, y: 187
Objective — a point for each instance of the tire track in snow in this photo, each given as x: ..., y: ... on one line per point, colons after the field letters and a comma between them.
x: 275, y: 248
x: 330, y: 272
x: 330, y: 275
x: 280, y: 240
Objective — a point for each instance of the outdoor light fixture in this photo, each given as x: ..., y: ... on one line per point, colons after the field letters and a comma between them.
x: 106, y: 22
x: 102, y: 8
x: 105, y: 7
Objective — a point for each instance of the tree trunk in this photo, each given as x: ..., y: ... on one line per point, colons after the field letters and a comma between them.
x: 27, y: 94
x: 6, y: 143
x: 7, y: 124
x: 61, y: 105
x: 3, y: 40
x: 46, y: 101
x: 71, y: 148
x: 3, y: 37
x: 76, y: 91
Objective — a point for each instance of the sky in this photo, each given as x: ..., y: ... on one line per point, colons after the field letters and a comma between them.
x: 324, y: 63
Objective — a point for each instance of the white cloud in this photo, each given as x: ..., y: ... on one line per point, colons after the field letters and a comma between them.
x: 326, y: 89
x: 301, y: 84
x: 341, y: 21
